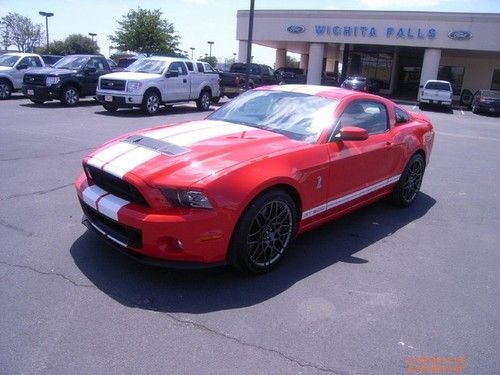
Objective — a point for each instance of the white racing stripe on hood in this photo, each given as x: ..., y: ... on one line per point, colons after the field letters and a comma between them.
x: 108, y: 154
x: 125, y: 163
x: 175, y: 130
x: 206, y: 134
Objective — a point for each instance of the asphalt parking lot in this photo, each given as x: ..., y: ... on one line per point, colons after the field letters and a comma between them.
x: 381, y: 291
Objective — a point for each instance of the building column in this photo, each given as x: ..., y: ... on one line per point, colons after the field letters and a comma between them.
x: 280, y: 61
x: 242, y: 51
x: 430, y: 66
x: 314, y: 68
x: 304, y: 61
x: 394, y: 71
x: 345, y: 61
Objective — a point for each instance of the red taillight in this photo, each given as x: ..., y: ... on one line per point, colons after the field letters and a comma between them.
x: 237, y: 80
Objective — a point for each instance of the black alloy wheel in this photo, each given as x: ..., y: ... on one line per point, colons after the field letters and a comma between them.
x: 410, y: 181
x: 264, y: 232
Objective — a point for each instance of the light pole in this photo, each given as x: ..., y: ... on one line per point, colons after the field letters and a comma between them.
x: 92, y: 35
x: 46, y: 15
x: 192, y: 52
x: 234, y: 57
x: 211, y: 43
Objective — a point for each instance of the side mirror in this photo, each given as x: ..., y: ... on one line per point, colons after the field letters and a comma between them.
x: 22, y: 66
x: 90, y: 69
x: 171, y: 74
x: 353, y: 133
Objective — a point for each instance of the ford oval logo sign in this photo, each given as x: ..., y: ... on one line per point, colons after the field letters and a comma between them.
x: 460, y: 35
x: 296, y: 29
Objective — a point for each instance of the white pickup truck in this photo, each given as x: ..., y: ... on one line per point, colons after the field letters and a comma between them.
x: 12, y: 69
x: 153, y: 81
x: 435, y: 92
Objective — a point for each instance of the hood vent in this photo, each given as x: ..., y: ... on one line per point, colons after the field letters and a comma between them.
x: 157, y: 145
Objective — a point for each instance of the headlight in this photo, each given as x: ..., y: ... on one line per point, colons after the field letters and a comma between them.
x: 186, y: 198
x: 52, y: 81
x: 133, y: 86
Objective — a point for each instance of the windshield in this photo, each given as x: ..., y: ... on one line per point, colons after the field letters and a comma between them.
x: 147, y: 66
x: 491, y: 94
x: 298, y: 116
x: 71, y: 62
x: 438, y: 86
x: 8, y: 60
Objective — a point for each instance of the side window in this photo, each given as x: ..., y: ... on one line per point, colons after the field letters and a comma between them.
x: 254, y: 69
x: 95, y: 62
x: 401, y: 116
x: 365, y: 114
x: 208, y: 68
x: 190, y: 66
x: 31, y: 61
x: 200, y: 67
x: 178, y: 66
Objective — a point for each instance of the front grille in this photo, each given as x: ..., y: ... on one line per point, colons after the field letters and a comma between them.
x: 34, y: 79
x: 112, y: 84
x: 121, y: 232
x: 116, y: 186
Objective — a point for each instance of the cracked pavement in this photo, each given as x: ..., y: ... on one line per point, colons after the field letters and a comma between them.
x: 358, y: 296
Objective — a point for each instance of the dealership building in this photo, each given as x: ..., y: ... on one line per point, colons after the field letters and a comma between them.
x: 400, y: 49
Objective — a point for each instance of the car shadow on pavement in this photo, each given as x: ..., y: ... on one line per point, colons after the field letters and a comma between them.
x: 136, y: 112
x: 58, y: 104
x: 201, y: 291
x: 446, y: 110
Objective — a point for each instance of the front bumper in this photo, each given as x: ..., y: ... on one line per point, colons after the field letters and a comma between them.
x: 42, y: 92
x: 193, y: 237
x: 119, y: 99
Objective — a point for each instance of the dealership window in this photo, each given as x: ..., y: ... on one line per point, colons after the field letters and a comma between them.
x: 372, y: 65
x: 495, y: 81
x: 454, y: 75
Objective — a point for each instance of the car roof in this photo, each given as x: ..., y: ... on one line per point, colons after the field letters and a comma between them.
x: 20, y: 54
x: 329, y: 92
x: 437, y: 80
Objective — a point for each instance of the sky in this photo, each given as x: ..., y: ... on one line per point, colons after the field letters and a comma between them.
x: 200, y: 21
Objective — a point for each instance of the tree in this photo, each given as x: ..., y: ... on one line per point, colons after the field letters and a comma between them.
x: 291, y: 62
x: 144, y: 31
x: 75, y: 43
x: 21, y: 32
x: 212, y: 60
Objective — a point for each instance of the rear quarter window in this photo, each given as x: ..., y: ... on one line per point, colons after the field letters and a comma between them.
x: 442, y: 86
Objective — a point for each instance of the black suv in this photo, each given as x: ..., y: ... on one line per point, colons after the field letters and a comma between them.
x: 70, y: 78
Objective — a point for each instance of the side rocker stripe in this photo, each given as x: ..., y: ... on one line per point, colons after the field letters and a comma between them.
x: 347, y: 198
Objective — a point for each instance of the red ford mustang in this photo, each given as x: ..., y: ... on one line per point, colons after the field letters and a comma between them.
x: 238, y: 186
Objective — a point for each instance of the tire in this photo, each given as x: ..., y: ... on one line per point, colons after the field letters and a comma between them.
x: 204, y: 101
x: 474, y: 110
x: 263, y: 233
x: 5, y: 89
x: 70, y: 96
x: 410, y: 181
x: 421, y: 106
x: 151, y: 103
x: 109, y: 108
x: 216, y: 99
x: 37, y: 101
x: 231, y: 96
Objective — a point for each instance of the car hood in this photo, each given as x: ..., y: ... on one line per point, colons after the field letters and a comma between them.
x: 131, y: 75
x: 52, y: 71
x: 182, y: 154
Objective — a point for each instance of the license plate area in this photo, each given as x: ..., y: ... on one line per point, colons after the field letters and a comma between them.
x: 31, y: 92
x: 108, y: 98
